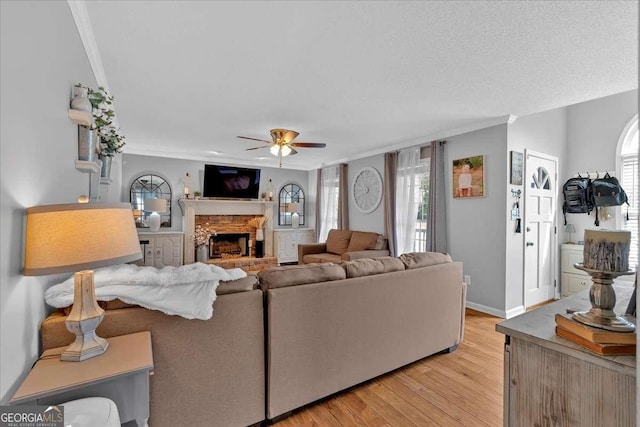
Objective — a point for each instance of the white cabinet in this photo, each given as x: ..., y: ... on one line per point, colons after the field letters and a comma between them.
x: 161, y: 249
x: 572, y: 280
x: 286, y: 241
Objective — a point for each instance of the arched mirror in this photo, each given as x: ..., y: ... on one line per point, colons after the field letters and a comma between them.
x: 148, y: 187
x: 291, y: 199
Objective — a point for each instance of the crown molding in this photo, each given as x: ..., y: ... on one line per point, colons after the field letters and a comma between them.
x: 501, y: 120
x: 270, y: 162
x: 85, y: 30
x: 507, y: 119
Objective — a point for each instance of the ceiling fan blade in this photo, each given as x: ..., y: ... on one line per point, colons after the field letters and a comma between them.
x: 256, y: 148
x: 293, y: 152
x: 255, y: 139
x: 289, y: 136
x: 308, y: 144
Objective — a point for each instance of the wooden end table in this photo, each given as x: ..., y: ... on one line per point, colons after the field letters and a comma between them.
x: 120, y: 374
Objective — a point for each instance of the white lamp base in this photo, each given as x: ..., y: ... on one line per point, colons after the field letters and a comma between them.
x: 295, y: 220
x: 154, y: 221
x: 84, y: 318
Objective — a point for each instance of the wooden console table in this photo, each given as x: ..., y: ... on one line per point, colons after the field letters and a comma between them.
x: 551, y: 381
x: 246, y: 263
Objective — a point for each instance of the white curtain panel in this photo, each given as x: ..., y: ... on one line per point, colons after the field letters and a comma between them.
x: 329, y: 187
x: 406, y: 202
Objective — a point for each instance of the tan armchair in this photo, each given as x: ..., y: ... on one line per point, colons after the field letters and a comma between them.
x: 344, y: 245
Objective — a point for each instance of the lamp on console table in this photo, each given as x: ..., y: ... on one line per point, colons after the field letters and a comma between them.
x: 156, y: 207
x: 76, y: 238
x: 294, y: 208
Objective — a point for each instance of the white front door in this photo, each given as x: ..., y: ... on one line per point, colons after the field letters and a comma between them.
x: 541, y: 180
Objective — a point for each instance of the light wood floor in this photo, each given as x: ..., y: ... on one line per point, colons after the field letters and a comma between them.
x: 463, y: 388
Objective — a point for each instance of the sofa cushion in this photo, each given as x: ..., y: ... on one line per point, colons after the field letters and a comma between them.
x: 248, y: 283
x: 369, y: 266
x: 424, y: 259
x: 323, y: 257
x: 292, y: 275
x: 338, y: 241
x: 362, y: 241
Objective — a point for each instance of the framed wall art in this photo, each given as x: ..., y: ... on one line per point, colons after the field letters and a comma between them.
x: 517, y: 164
x: 468, y: 177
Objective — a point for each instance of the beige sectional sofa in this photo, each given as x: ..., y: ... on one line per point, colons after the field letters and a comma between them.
x: 344, y: 245
x: 350, y: 325
x: 328, y: 327
x: 206, y: 372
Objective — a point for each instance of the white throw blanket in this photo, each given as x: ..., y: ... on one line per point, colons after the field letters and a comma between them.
x: 188, y: 291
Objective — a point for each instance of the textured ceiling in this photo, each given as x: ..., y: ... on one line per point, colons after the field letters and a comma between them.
x: 360, y: 76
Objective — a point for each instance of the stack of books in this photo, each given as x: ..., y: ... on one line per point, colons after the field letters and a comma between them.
x: 599, y: 341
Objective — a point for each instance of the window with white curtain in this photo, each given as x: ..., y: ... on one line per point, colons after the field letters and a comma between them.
x: 628, y: 149
x: 412, y: 201
x: 329, y: 194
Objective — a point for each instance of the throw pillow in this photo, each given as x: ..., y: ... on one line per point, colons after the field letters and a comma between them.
x: 424, y: 259
x: 292, y: 275
x: 368, y: 266
x: 338, y: 241
x: 362, y: 241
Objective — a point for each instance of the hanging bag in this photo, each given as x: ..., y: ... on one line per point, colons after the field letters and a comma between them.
x: 608, y: 192
x: 577, y: 196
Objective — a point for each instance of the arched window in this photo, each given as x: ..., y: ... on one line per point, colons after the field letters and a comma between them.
x: 290, y: 193
x: 145, y: 187
x: 628, y: 167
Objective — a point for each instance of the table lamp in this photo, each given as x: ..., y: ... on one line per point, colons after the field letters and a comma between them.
x: 156, y: 207
x: 569, y: 228
x: 76, y: 238
x: 294, y: 208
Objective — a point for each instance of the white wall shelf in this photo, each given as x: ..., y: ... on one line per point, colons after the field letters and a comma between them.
x: 87, y: 167
x: 82, y: 118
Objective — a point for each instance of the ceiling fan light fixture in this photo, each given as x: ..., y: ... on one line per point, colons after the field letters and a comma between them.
x: 286, y: 150
x: 274, y: 150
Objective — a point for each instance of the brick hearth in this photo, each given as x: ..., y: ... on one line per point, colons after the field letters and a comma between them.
x: 229, y: 224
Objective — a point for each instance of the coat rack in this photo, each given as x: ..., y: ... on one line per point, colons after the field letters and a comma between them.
x: 593, y: 175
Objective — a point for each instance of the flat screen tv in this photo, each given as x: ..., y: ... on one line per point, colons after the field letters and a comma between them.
x: 231, y: 182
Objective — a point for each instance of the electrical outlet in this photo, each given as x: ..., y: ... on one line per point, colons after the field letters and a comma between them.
x: 467, y: 279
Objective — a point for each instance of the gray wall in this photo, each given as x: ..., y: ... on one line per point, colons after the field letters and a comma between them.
x: 475, y: 226
x: 594, y: 128
x: 545, y: 133
x: 173, y: 170
x: 42, y: 58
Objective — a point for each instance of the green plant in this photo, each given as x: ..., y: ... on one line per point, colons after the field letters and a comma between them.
x: 111, y: 140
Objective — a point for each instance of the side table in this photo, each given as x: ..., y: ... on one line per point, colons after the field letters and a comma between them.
x: 549, y: 380
x: 120, y: 374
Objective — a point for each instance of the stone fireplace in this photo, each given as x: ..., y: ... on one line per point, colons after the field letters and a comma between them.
x: 229, y: 245
x: 226, y: 217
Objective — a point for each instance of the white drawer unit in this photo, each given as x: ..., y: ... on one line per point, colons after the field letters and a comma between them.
x: 286, y: 241
x: 572, y: 280
x: 161, y: 249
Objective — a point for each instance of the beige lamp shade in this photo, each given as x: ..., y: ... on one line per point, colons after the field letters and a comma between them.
x: 293, y: 207
x: 79, y: 236
x: 155, y: 205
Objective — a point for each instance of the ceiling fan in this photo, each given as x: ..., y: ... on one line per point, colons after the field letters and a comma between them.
x: 281, y: 144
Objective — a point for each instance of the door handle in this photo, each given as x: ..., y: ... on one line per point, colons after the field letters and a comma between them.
x: 528, y: 228
x: 529, y: 243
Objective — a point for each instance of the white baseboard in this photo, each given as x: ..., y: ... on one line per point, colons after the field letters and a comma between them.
x: 486, y: 309
x: 495, y: 312
x: 515, y: 311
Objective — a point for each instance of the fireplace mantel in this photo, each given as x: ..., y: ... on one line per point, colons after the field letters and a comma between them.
x: 191, y: 208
